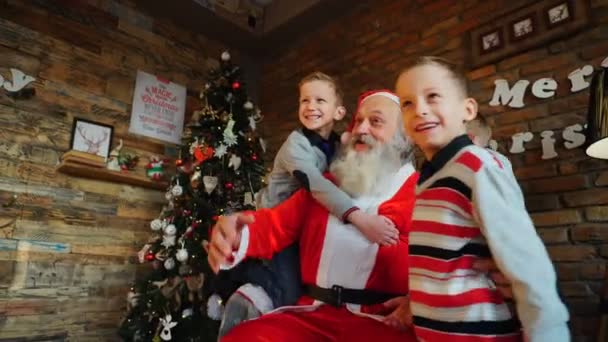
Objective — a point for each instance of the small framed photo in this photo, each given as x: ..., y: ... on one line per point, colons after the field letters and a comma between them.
x: 491, y: 41
x: 559, y: 13
x: 522, y: 27
x: 91, y: 137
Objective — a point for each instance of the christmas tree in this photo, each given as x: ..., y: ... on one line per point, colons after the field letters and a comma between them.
x: 220, y: 169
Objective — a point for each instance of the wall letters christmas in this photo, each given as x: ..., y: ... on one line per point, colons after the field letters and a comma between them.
x: 542, y: 88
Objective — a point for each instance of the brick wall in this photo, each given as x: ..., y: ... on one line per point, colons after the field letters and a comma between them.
x: 64, y: 263
x: 567, y: 195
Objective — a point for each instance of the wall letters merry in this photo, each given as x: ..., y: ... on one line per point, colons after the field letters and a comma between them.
x: 20, y: 80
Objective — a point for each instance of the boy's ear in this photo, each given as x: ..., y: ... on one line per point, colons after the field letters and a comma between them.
x: 470, y: 106
x: 340, y: 112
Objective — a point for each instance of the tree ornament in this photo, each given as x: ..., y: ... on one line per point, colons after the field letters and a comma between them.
x: 185, y: 270
x: 177, y: 190
x: 252, y: 123
x: 187, y: 313
x: 210, y: 183
x: 168, y: 241
x: 182, y: 254
x: 165, y: 334
x: 229, y: 97
x: 195, y: 179
x: 248, y: 105
x: 229, y: 137
x: 150, y: 256
x: 170, y: 230
x: 229, y: 186
x: 235, y: 162
x: 236, y: 85
x: 169, y: 263
x: 215, y: 309
x: 179, y: 162
x: 202, y: 153
x: 168, y: 195
x: 263, y: 145
x: 221, y: 151
x: 254, y: 157
x: 225, y: 56
x: 141, y: 255
x: 156, y: 225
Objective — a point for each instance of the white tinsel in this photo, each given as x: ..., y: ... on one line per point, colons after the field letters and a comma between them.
x: 215, y: 309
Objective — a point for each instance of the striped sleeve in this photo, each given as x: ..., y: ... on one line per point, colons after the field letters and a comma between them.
x: 519, y: 253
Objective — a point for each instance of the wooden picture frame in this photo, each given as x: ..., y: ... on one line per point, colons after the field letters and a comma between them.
x: 559, y: 13
x: 491, y: 41
x: 91, y: 137
x: 523, y: 27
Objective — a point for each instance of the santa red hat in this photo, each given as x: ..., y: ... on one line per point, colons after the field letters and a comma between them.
x: 362, y: 98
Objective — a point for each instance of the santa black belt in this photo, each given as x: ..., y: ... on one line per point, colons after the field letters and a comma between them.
x: 338, y: 295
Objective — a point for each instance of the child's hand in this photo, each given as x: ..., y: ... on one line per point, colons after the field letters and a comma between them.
x: 375, y: 228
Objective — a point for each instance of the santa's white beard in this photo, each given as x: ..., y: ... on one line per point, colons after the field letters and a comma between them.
x: 359, y: 172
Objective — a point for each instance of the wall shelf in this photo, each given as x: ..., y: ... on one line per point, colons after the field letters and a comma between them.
x: 109, y: 175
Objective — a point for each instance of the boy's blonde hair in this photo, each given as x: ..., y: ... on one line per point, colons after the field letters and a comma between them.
x: 320, y: 76
x: 452, y: 68
x: 480, y: 129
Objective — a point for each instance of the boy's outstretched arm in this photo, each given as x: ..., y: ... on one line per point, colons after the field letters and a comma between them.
x: 519, y: 254
x: 299, y: 159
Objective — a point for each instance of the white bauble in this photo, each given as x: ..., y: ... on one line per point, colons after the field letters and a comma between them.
x: 225, y: 56
x: 169, y: 263
x: 170, y: 230
x: 156, y: 225
x: 181, y: 255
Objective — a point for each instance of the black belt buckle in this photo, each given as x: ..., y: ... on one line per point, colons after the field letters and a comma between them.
x: 337, y: 290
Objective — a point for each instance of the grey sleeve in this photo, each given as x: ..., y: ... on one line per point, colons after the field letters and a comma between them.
x: 519, y: 254
x: 299, y: 159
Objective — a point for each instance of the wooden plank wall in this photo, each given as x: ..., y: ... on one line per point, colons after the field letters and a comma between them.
x: 64, y: 261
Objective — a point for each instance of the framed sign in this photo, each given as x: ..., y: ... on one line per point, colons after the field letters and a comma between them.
x: 158, y: 108
x: 91, y: 137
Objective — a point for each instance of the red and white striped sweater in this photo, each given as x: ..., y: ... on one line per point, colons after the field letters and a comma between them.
x: 469, y: 205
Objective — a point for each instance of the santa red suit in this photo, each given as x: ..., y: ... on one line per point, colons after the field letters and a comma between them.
x: 333, y: 254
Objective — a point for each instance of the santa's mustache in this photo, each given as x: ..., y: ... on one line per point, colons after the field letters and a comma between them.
x: 364, y: 139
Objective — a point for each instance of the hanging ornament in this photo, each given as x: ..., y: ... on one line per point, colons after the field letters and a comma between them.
x: 165, y: 334
x: 141, y: 255
x: 187, y: 313
x: 195, y: 179
x: 156, y: 225
x: 263, y: 145
x: 177, y: 190
x: 169, y: 263
x: 210, y: 183
x: 132, y: 298
x: 168, y: 241
x: 182, y: 254
x: 235, y: 162
x: 221, y: 151
x: 215, y: 308
x: 225, y: 56
x: 252, y: 123
x: 229, y: 97
x: 254, y: 157
x: 236, y: 85
x: 229, y: 136
x: 229, y: 186
x: 248, y: 105
x: 248, y: 199
x: 164, y: 223
x: 170, y: 230
x: 202, y: 153
x: 150, y: 256
x: 179, y: 162
x: 194, y: 145
x: 168, y: 196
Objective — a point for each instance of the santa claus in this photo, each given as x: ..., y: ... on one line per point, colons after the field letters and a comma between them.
x: 347, y: 278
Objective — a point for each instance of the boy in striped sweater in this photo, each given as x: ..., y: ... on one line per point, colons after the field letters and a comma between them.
x: 468, y: 205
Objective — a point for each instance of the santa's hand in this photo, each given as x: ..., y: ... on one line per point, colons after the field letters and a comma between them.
x: 225, y: 238
x: 375, y: 228
x: 401, y: 315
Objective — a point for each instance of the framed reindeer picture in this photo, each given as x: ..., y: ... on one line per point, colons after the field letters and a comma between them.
x: 91, y: 137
